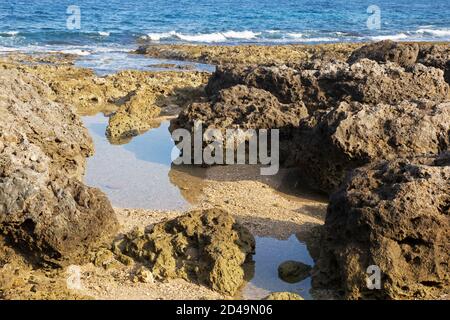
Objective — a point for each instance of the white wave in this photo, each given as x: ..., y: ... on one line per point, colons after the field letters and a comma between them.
x: 104, y: 33
x: 399, y: 36
x: 159, y: 36
x: 240, y: 34
x: 203, y: 37
x: 435, y: 32
x: 8, y: 49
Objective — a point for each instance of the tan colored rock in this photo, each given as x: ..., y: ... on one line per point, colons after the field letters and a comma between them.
x: 45, y: 208
x: 154, y: 94
x: 248, y: 54
x: 330, y: 143
x: 143, y: 275
x: 207, y: 247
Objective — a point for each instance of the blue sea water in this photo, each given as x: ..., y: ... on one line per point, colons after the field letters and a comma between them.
x: 107, y: 25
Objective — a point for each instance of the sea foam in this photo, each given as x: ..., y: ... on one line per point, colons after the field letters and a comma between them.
x: 203, y: 37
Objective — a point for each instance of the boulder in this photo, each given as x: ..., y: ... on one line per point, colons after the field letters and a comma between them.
x: 403, y: 54
x: 281, y: 81
x: 207, y: 247
x: 293, y: 271
x: 244, y: 108
x: 437, y: 56
x: 321, y: 84
x: 394, y: 216
x: 45, y: 209
x: 332, y: 142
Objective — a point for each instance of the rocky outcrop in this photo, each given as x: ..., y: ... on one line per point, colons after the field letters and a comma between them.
x: 332, y: 142
x: 133, y: 99
x: 248, y: 54
x: 293, y: 271
x: 207, y: 247
x: 367, y: 81
x: 393, y: 215
x: 44, y: 207
x: 437, y: 56
x: 242, y: 107
x: 19, y: 281
x: 281, y: 81
x: 152, y: 94
x: 235, y: 110
x: 403, y: 54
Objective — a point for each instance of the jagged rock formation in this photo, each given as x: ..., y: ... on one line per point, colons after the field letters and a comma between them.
x: 403, y: 54
x: 395, y: 215
x: 333, y: 142
x: 207, y: 247
x: 44, y: 207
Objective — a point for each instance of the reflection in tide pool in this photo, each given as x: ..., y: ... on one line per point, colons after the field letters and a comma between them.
x: 136, y: 174
x: 270, y: 253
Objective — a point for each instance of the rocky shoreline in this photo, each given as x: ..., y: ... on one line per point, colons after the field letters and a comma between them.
x: 369, y: 125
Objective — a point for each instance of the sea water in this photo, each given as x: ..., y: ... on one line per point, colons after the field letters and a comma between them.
x: 119, y: 25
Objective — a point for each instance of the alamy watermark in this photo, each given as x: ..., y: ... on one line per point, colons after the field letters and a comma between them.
x: 374, y: 20
x: 73, y: 280
x: 234, y: 146
x: 373, y: 280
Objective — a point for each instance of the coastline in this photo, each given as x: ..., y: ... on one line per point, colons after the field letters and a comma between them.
x: 258, y: 205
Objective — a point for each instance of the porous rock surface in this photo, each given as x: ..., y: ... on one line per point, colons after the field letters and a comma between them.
x: 404, y: 54
x: 283, y: 296
x: 393, y: 215
x: 332, y: 142
x: 207, y: 247
x: 44, y: 207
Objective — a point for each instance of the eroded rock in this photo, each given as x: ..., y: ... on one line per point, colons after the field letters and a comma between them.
x: 207, y: 247
x: 438, y: 56
x: 395, y: 216
x: 404, y: 54
x: 44, y: 207
x: 335, y: 141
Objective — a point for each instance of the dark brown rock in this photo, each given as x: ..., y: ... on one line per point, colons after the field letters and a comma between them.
x: 281, y: 81
x: 437, y: 56
x: 394, y: 215
x: 335, y: 141
x: 402, y: 54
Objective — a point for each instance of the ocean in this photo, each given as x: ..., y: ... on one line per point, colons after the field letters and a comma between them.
x: 84, y: 26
